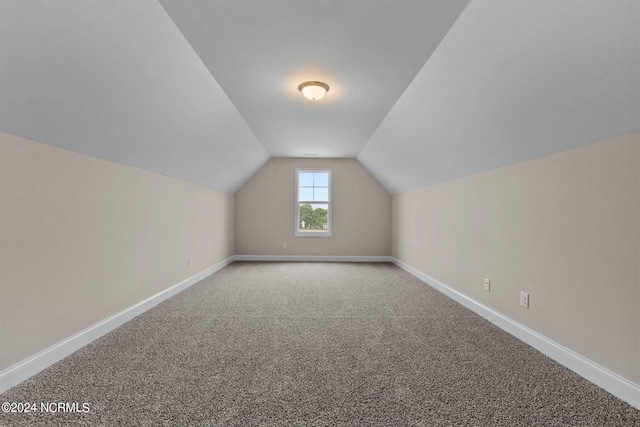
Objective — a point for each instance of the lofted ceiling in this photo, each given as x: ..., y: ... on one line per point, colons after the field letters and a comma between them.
x: 510, y: 82
x: 366, y: 51
x: 422, y: 91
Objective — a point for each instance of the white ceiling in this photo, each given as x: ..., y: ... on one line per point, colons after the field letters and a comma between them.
x: 117, y: 80
x: 421, y: 91
x: 366, y: 51
x: 513, y: 80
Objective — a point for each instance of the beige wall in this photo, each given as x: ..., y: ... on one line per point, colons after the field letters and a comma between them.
x: 565, y: 228
x: 82, y: 239
x: 265, y: 212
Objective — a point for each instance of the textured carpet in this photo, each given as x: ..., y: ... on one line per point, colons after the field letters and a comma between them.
x: 313, y: 344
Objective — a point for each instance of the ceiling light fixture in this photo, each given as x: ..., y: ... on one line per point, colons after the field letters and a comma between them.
x: 313, y: 91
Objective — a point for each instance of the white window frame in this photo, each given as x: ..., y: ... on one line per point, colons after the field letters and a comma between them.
x: 319, y: 233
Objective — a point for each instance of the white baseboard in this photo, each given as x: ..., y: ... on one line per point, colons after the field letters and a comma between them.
x: 602, y: 377
x: 313, y: 258
x: 18, y: 373
x: 613, y: 383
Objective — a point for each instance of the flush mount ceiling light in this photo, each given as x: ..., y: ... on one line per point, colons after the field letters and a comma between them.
x: 313, y: 90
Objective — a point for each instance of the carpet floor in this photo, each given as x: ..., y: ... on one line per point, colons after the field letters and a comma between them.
x: 313, y: 344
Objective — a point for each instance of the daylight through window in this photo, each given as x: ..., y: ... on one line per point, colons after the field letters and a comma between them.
x: 313, y: 202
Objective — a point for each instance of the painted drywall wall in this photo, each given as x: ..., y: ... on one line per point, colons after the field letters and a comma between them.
x: 82, y: 239
x: 265, y: 211
x: 565, y: 228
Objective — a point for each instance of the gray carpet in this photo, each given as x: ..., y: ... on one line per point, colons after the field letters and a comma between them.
x: 314, y: 344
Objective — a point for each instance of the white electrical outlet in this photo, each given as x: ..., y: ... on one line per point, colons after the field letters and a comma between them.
x: 524, y: 299
x: 284, y: 245
x: 189, y: 262
x: 487, y: 285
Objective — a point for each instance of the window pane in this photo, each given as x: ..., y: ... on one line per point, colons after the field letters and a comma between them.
x: 305, y: 194
x: 305, y: 179
x: 321, y: 194
x: 313, y: 217
x: 321, y: 179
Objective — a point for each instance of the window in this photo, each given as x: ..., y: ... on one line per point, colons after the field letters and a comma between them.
x: 313, y: 202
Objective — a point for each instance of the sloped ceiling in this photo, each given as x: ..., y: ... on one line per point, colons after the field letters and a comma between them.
x: 367, y: 51
x: 512, y: 81
x: 421, y: 91
x: 117, y: 80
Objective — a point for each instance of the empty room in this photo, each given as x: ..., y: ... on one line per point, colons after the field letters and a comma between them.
x: 320, y: 213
